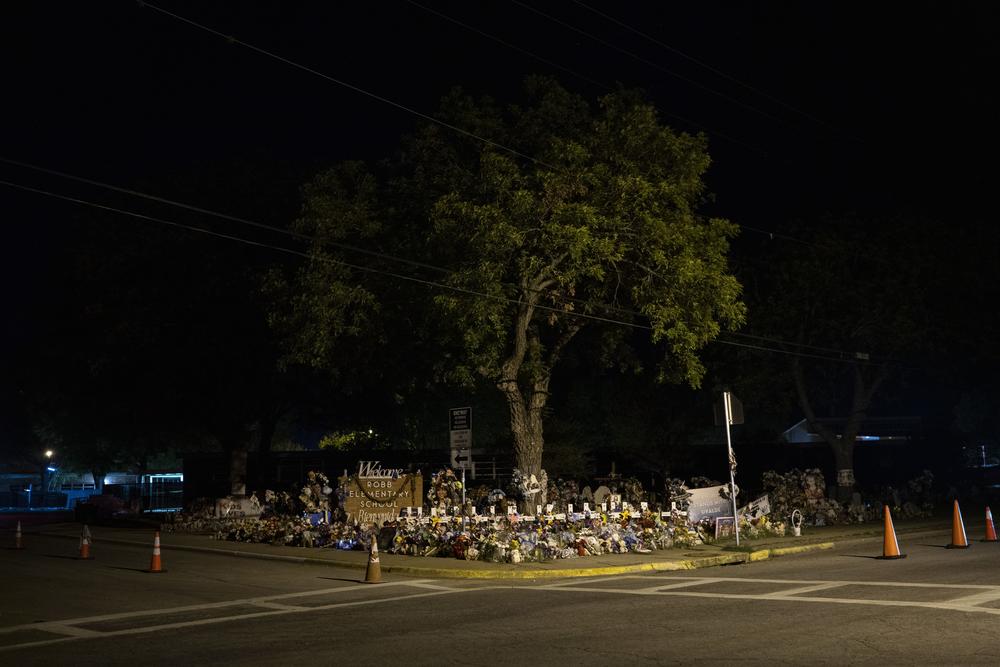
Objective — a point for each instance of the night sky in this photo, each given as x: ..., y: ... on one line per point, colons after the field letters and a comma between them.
x: 809, y: 107
x: 839, y: 105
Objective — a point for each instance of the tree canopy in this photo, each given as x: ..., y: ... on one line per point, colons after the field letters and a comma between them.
x: 532, y: 223
x: 850, y: 297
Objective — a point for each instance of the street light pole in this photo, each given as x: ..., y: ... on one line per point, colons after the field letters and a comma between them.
x: 45, y: 468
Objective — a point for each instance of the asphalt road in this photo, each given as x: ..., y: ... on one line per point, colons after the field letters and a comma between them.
x: 836, y: 607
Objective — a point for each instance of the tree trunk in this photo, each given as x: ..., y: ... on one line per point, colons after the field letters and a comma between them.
x: 527, y: 396
x: 265, y: 434
x: 98, y: 474
x: 238, y: 472
x: 843, y: 443
x: 526, y: 427
x: 843, y: 457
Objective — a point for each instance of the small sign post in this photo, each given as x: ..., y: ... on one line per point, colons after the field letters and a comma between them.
x: 460, y: 431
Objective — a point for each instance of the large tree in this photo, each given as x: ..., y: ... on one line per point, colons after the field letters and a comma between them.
x: 849, y: 296
x: 554, y: 217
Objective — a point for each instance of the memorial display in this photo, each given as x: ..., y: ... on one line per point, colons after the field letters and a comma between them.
x: 567, y: 521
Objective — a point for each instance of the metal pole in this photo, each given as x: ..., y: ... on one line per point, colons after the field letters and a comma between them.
x: 732, y: 473
x: 463, y: 496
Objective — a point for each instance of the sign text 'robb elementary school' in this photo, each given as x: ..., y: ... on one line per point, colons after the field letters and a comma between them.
x: 377, y: 494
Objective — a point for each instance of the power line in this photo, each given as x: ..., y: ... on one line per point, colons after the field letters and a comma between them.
x: 583, y: 77
x: 381, y: 255
x: 303, y: 237
x: 648, y: 62
x: 218, y: 214
x: 299, y: 253
x: 785, y: 342
x: 345, y: 84
x: 455, y: 128
x: 509, y: 45
x: 392, y: 274
x: 408, y: 109
x: 705, y: 65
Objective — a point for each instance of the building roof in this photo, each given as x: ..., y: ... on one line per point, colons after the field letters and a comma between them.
x: 873, y: 430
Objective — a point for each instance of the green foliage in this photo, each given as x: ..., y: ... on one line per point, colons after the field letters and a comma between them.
x: 594, y: 213
x: 346, y: 441
x: 606, y: 216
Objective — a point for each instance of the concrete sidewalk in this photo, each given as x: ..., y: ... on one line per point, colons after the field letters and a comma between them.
x: 813, y: 539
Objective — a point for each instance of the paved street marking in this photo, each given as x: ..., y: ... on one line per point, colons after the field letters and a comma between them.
x: 61, y: 629
x: 276, y: 605
x: 804, y: 589
x: 422, y: 584
x: 967, y: 603
x: 685, y: 584
x: 978, y: 598
x: 67, y: 628
x: 209, y: 605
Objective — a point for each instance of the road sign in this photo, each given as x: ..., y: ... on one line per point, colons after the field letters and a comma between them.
x: 460, y: 419
x: 460, y: 436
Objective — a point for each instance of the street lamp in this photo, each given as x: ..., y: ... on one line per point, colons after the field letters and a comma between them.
x: 46, y: 467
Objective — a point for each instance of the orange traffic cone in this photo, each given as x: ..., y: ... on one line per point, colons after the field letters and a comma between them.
x: 373, y: 575
x: 991, y: 531
x: 85, y: 544
x: 155, y: 565
x: 17, y: 537
x: 958, y: 537
x: 890, y: 546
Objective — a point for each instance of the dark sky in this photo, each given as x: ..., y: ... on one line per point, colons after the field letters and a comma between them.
x: 810, y: 107
x: 849, y: 105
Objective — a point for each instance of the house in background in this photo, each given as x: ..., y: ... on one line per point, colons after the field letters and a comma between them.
x: 873, y: 430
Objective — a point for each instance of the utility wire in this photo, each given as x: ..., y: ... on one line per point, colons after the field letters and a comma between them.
x: 299, y: 253
x: 218, y: 214
x: 345, y: 84
x: 392, y: 274
x: 373, y: 253
x: 304, y: 237
x: 509, y: 45
x: 455, y: 128
x: 583, y: 77
x: 353, y: 248
x: 707, y: 66
x: 648, y: 62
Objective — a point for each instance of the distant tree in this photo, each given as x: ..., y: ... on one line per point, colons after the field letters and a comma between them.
x: 850, y: 297
x: 150, y: 341
x: 597, y: 215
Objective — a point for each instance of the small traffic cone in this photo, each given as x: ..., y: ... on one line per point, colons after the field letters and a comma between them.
x: 890, y: 546
x: 17, y: 537
x: 958, y: 537
x: 85, y: 544
x: 991, y: 531
x: 155, y: 565
x: 373, y: 575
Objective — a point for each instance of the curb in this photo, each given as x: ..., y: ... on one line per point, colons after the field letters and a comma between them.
x: 452, y: 573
